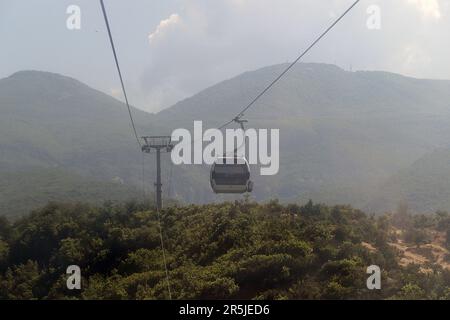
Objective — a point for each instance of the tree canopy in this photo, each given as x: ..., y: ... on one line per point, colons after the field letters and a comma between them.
x: 232, y: 250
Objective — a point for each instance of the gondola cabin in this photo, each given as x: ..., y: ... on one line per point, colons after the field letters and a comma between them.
x: 231, y: 175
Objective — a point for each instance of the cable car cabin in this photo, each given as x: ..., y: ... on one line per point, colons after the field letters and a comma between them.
x: 231, y: 175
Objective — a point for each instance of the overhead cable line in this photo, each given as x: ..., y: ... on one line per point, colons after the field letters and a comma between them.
x: 164, y: 253
x: 120, y: 74
x: 138, y: 141
x: 241, y: 114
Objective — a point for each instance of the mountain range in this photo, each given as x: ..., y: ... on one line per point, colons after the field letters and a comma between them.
x: 369, y: 139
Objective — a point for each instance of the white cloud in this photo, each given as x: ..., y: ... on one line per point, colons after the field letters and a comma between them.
x: 209, y: 41
x: 428, y: 8
x: 164, y: 26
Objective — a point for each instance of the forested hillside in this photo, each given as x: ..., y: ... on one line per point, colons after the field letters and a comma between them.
x: 25, y: 190
x: 229, y: 250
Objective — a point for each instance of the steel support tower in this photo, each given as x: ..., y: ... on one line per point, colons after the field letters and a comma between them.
x: 158, y: 144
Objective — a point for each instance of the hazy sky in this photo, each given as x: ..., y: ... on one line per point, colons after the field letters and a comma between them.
x: 171, y: 49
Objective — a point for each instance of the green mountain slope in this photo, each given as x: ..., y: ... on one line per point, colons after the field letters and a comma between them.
x: 61, y: 140
x: 343, y: 134
x: 424, y: 186
x: 51, y: 120
x: 23, y: 191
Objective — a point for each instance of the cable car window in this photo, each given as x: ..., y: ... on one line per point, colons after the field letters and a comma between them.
x: 231, y: 174
x: 230, y: 169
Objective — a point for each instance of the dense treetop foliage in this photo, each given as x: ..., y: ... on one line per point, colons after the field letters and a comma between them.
x: 240, y: 250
